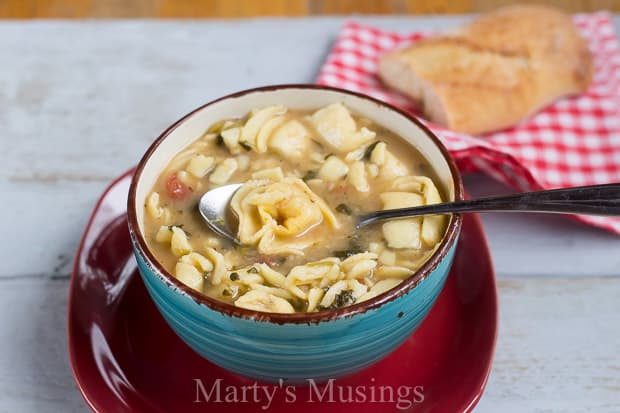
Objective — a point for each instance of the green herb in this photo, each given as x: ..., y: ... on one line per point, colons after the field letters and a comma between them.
x: 343, y: 254
x: 309, y: 175
x: 216, y: 127
x: 354, y: 243
x: 342, y: 299
x: 234, y: 276
x: 245, y: 145
x: 317, y: 142
x: 253, y: 270
x: 219, y: 140
x: 344, y: 209
x: 369, y: 150
x: 354, y: 248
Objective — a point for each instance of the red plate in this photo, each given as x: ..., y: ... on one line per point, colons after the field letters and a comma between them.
x: 126, y: 359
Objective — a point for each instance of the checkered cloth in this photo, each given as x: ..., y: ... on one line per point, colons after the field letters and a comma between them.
x: 575, y: 141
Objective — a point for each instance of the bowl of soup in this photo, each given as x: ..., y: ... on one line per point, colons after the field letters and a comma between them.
x: 303, y: 294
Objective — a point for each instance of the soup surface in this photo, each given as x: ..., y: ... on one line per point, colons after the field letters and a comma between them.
x: 306, y: 176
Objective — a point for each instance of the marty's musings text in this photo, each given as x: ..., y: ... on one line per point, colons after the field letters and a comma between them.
x: 403, y: 396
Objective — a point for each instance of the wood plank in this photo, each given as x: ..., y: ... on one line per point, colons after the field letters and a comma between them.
x: 36, y: 376
x: 12, y: 9
x: 439, y: 6
x: 227, y: 9
x: 79, y: 9
x: 572, y: 6
x: 341, y: 7
x: 557, y: 348
x: 74, y: 9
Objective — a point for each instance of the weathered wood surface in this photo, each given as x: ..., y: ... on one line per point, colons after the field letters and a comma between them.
x: 85, y: 9
x: 557, y: 349
x: 79, y: 103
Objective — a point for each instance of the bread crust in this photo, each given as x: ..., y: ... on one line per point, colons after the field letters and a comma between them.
x: 495, y: 71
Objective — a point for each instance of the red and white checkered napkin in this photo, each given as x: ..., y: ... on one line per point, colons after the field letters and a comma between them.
x: 575, y: 141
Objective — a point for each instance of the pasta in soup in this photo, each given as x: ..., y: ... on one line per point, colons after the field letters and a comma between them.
x: 306, y: 176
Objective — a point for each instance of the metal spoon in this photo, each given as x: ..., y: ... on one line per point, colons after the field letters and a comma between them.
x: 589, y: 200
x: 214, y: 208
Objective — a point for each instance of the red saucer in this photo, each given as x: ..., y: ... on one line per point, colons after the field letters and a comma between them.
x: 125, y: 358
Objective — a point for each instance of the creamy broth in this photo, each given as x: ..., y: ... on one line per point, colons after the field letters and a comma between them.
x: 307, y: 175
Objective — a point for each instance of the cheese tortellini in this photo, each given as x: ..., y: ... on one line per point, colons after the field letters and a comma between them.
x: 306, y: 177
x: 338, y: 129
x: 412, y: 191
x: 278, y: 217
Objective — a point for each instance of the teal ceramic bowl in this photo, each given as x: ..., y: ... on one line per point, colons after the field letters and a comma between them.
x: 293, y: 347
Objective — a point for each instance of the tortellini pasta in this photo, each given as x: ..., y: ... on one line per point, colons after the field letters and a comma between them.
x: 290, y: 140
x: 223, y: 171
x: 189, y: 275
x: 306, y: 176
x: 338, y: 130
x: 333, y: 169
x: 263, y: 301
x: 357, y: 176
x: 200, y: 165
x: 257, y: 120
x: 402, y: 233
x: 154, y: 210
x: 278, y: 216
x: 412, y: 232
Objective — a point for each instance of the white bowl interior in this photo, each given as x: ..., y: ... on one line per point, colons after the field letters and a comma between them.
x: 296, y: 98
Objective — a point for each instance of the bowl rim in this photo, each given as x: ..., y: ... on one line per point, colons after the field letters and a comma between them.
x: 449, y: 239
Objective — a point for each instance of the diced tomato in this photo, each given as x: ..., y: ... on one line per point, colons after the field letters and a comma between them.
x: 339, y: 189
x: 270, y: 260
x: 175, y: 187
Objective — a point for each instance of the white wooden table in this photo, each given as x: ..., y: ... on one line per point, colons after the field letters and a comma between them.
x: 80, y: 102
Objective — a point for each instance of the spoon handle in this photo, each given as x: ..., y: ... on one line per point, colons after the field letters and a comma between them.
x: 591, y: 200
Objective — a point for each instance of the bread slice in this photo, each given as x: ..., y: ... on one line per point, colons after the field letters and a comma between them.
x: 493, y: 72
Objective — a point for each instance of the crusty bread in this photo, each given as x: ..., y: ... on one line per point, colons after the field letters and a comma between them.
x: 493, y: 72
